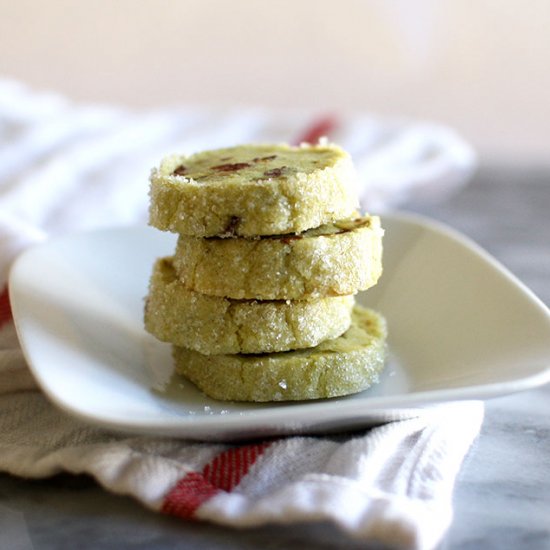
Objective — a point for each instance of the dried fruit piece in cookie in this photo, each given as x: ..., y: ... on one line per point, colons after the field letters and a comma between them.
x: 252, y: 190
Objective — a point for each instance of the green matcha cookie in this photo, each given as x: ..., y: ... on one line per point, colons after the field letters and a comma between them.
x: 253, y: 190
x: 214, y: 325
x: 335, y: 259
x: 345, y: 365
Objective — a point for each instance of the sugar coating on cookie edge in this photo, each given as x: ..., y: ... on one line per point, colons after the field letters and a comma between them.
x: 335, y: 259
x: 216, y: 325
x: 252, y: 190
x: 336, y: 367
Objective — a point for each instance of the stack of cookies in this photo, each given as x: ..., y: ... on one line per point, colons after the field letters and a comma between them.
x: 258, y: 298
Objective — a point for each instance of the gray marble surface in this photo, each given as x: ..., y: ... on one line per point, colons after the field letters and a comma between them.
x: 502, y: 498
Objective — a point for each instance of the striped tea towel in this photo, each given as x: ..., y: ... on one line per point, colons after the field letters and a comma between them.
x: 65, y: 167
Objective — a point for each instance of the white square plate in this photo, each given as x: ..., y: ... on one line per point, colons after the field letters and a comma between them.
x: 460, y: 327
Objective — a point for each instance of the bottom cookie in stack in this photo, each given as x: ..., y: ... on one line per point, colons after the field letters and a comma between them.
x: 348, y: 364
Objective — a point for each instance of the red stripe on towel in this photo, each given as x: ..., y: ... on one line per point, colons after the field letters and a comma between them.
x: 222, y: 473
x: 5, y: 307
x: 322, y: 127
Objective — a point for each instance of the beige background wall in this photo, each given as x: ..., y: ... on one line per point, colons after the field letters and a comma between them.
x: 481, y: 66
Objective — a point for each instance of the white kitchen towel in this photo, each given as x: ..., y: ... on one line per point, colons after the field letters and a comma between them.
x: 65, y: 167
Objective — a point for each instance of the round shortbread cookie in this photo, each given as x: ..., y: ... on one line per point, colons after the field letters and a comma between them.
x: 345, y: 365
x: 252, y: 190
x: 214, y: 325
x: 332, y: 260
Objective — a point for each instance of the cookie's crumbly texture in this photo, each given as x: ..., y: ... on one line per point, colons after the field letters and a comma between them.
x: 345, y: 365
x: 333, y: 260
x: 214, y: 325
x: 252, y: 190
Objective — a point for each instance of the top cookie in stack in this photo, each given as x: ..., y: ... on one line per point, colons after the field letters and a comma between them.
x: 271, y: 252
x: 253, y: 190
